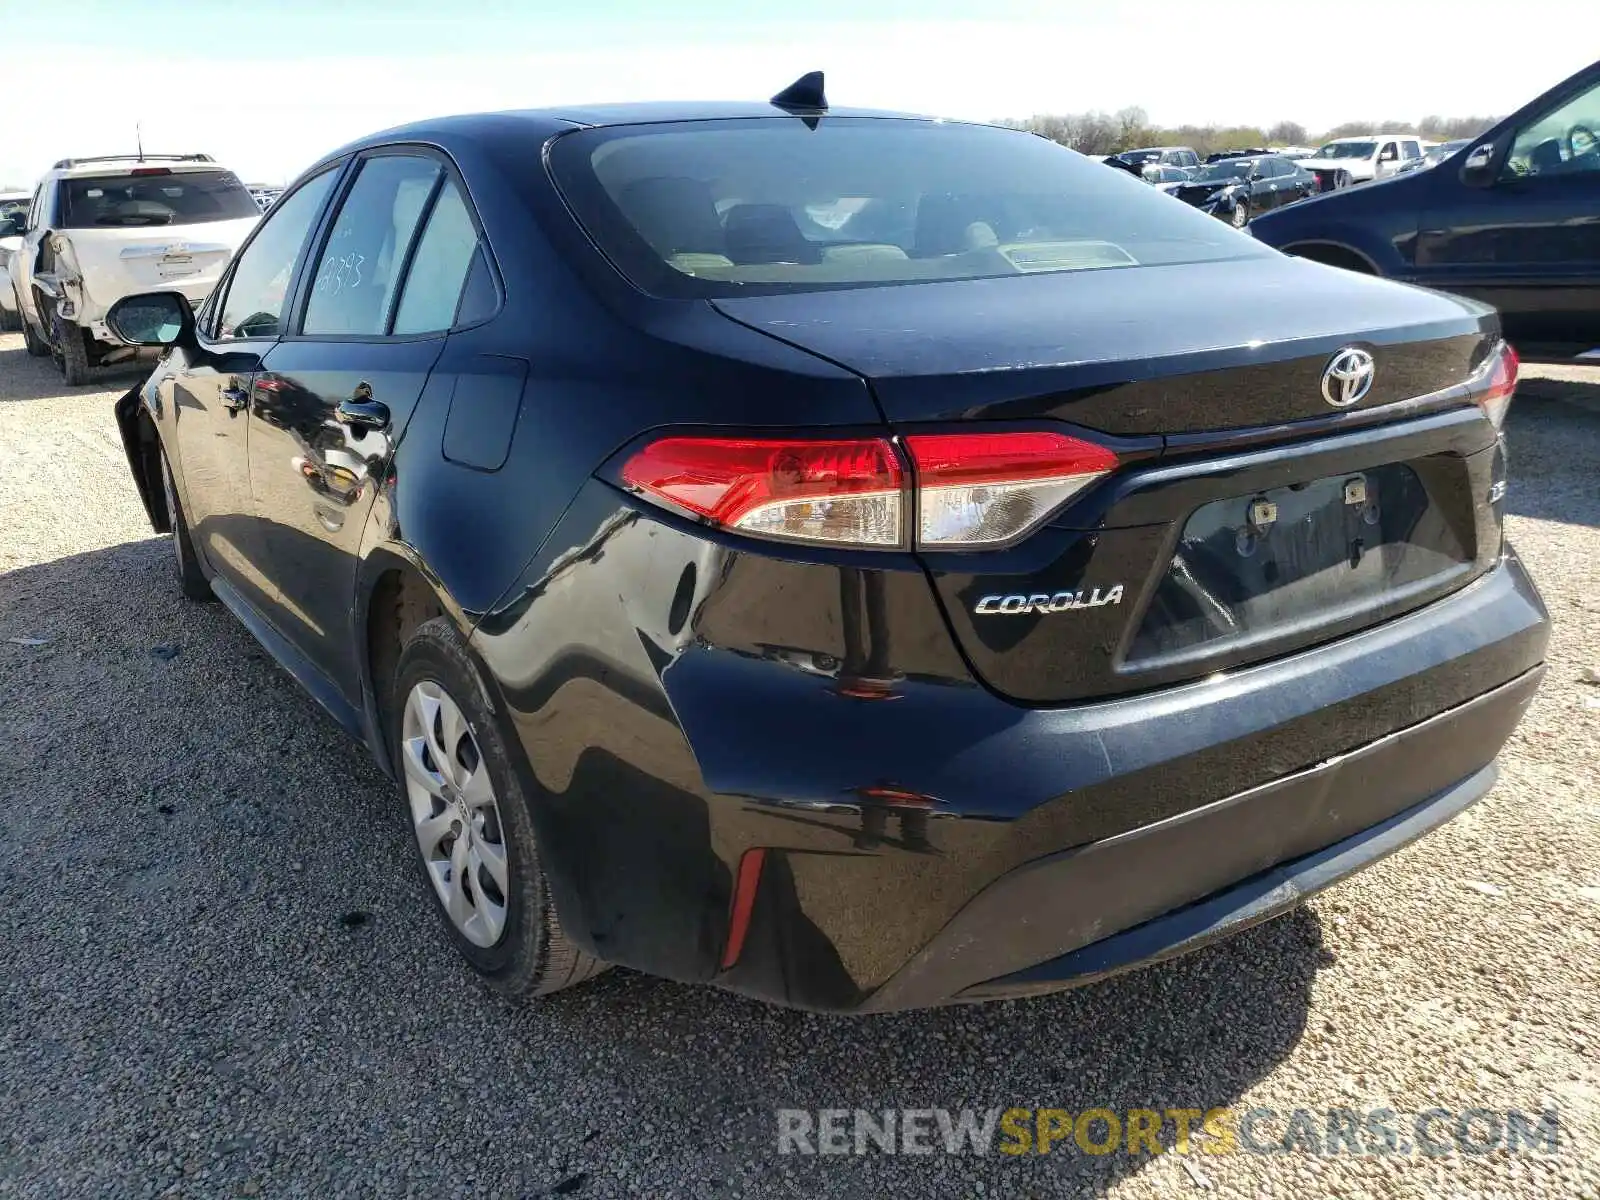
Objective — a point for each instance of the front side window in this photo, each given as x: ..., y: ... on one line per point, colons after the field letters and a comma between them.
x: 147, y: 196
x: 1389, y: 153
x: 259, y: 287
x: 358, y: 272
x: 770, y: 204
x: 439, y: 267
x: 1562, y: 142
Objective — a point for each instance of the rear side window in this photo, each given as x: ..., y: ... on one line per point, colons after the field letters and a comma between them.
x: 771, y: 204
x: 155, y: 196
x: 356, y: 276
x: 439, y: 267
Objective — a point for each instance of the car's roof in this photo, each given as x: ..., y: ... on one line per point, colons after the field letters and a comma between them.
x: 73, y: 168
x: 1368, y: 137
x: 544, y: 122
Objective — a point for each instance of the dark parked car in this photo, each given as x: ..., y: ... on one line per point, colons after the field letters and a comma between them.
x: 1512, y: 218
x: 1236, y: 189
x: 861, y: 562
x: 1172, y: 156
x: 1245, y: 152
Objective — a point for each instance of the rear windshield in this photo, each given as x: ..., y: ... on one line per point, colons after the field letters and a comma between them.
x: 721, y: 208
x: 180, y: 198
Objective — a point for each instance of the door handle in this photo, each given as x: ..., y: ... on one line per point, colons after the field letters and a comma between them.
x: 235, y: 397
x: 362, y: 414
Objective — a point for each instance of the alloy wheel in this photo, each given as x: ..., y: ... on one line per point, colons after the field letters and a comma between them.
x: 455, y: 814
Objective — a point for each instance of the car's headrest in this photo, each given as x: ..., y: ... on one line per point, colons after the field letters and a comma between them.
x: 766, y: 233
x: 675, y: 214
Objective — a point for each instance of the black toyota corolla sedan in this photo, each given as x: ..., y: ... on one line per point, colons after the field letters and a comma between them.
x: 858, y: 560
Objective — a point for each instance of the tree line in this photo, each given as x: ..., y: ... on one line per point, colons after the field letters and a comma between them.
x: 1101, y: 133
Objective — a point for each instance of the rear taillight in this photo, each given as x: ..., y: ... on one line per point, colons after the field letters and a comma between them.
x: 1497, y: 384
x: 843, y: 492
x: 970, y: 491
x: 985, y: 489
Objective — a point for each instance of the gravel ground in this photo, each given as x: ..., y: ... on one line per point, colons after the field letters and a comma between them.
x: 220, y: 977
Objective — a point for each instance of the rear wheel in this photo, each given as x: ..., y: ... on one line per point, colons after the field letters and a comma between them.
x: 468, y: 813
x: 191, y: 580
x: 72, y: 353
x: 1240, y: 217
x: 1342, y: 179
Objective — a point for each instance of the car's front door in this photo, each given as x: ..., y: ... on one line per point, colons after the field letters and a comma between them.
x: 1265, y: 191
x: 207, y: 387
x: 1527, y: 239
x: 334, y: 397
x: 1388, y: 160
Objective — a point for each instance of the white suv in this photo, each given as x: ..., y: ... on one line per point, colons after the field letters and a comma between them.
x: 1348, y: 160
x: 103, y: 228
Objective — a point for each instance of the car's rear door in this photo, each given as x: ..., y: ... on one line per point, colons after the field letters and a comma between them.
x: 1529, y: 243
x: 208, y: 388
x: 334, y: 396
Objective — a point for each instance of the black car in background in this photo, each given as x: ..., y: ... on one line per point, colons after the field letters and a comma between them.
x: 1172, y: 156
x: 1512, y: 218
x: 1237, y: 189
x: 854, y: 560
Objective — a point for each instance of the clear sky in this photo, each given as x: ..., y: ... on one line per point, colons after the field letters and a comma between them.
x: 268, y: 87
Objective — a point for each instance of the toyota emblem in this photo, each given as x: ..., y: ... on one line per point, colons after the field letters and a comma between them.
x: 1347, y: 378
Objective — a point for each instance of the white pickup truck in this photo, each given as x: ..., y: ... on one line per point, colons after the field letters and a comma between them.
x: 103, y: 228
x: 1368, y: 156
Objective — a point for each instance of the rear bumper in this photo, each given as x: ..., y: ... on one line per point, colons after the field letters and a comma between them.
x: 1176, y: 885
x: 1261, y: 897
x: 923, y: 840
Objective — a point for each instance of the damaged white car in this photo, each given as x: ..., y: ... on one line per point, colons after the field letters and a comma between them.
x: 100, y: 229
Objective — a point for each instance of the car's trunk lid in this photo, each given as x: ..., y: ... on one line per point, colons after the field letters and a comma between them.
x: 1254, y: 517
x: 1167, y: 349
x: 114, y: 262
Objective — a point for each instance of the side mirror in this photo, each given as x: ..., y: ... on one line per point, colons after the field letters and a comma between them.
x: 12, y: 225
x: 1478, y: 169
x: 151, y: 319
x: 1256, y: 175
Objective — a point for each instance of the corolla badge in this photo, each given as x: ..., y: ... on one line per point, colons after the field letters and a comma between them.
x: 1043, y: 602
x: 1347, y: 378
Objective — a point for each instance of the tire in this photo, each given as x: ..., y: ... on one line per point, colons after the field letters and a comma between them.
x: 1240, y: 217
x: 459, y: 828
x: 1341, y: 180
x: 37, y: 347
x: 191, y: 580
x: 73, y: 357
